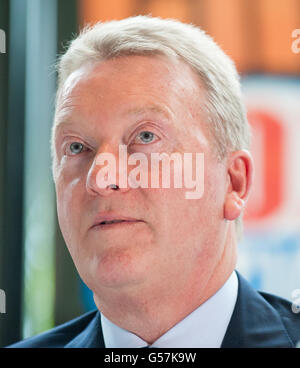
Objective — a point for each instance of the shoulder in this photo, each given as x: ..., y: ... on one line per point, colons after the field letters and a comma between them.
x: 285, y: 310
x: 59, y: 336
x: 261, y: 319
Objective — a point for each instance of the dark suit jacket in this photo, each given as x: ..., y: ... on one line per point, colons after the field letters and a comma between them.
x: 259, y: 320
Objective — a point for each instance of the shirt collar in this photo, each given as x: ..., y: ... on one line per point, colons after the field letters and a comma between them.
x: 205, y: 327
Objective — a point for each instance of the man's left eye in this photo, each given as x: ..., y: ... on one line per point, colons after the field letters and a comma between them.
x: 146, y: 136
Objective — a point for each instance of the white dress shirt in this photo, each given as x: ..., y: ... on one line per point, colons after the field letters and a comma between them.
x: 205, y: 327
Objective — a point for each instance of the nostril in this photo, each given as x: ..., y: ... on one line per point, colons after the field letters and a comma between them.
x: 113, y: 186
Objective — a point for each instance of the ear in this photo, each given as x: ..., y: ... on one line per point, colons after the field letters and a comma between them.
x: 240, y: 178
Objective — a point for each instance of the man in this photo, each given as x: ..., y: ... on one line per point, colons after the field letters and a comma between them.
x: 161, y: 266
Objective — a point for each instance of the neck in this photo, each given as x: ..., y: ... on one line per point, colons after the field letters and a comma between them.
x: 152, y: 312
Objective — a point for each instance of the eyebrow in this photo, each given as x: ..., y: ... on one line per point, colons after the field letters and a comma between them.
x: 135, y: 111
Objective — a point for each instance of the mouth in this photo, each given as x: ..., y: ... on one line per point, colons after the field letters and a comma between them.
x: 115, y: 222
x: 107, y: 222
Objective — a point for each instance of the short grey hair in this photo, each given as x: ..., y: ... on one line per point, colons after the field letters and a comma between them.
x: 146, y: 35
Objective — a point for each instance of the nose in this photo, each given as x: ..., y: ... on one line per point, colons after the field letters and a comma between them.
x: 103, y: 177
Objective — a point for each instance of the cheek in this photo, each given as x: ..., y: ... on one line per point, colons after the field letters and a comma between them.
x: 191, y: 222
x: 215, y: 191
x: 173, y: 218
x: 68, y: 206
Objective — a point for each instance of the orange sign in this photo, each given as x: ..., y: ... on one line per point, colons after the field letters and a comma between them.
x: 267, y: 148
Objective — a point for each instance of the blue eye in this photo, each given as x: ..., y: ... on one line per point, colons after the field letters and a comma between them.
x: 146, y: 136
x: 76, y: 148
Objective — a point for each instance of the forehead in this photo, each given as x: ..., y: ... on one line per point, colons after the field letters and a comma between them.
x: 137, y: 71
x: 134, y: 85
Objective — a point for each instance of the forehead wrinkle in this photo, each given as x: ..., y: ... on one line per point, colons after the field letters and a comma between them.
x: 153, y: 108
x: 67, y: 92
x: 64, y: 110
x: 71, y: 104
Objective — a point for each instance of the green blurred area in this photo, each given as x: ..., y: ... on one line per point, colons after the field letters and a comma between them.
x: 36, y: 271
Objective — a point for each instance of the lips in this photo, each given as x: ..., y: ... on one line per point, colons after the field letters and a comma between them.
x: 110, y: 222
x: 106, y: 219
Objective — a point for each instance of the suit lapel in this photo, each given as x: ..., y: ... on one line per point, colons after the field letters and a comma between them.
x: 254, y: 322
x: 90, y: 337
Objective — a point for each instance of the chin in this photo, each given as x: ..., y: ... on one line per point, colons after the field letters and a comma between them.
x: 118, y: 269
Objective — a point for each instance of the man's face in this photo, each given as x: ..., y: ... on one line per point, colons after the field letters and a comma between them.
x: 177, y: 240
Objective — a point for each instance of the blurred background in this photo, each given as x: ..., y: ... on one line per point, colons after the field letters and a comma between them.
x: 41, y: 284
